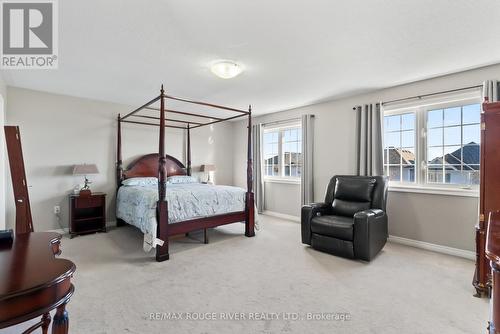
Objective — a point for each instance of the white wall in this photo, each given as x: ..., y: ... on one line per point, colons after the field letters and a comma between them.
x: 3, y: 102
x: 282, y: 198
x: 414, y: 216
x: 59, y: 131
x: 332, y: 140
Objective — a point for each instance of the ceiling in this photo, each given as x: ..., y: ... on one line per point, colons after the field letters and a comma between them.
x: 295, y: 52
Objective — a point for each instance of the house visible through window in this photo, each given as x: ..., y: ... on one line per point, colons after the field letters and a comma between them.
x: 271, y: 153
x: 283, y: 152
x: 433, y: 145
x: 453, y: 137
x: 399, y: 152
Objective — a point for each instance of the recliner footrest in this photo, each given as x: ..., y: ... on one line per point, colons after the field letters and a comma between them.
x: 332, y: 245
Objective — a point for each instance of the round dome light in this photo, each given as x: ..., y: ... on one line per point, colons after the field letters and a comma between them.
x: 226, y: 69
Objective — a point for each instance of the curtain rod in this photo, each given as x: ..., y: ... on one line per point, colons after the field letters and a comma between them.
x: 285, y: 121
x: 427, y: 95
x: 432, y: 94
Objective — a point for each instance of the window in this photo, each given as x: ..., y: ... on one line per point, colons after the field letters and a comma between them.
x: 282, y: 152
x: 271, y: 153
x: 433, y: 145
x: 399, y: 150
x: 291, y: 152
x: 453, y: 137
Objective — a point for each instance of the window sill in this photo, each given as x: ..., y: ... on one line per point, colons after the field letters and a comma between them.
x: 282, y: 180
x: 436, y: 191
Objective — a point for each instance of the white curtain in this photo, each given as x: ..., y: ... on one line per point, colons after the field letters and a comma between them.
x: 369, y: 140
x: 306, y: 177
x: 258, y: 182
x: 490, y: 90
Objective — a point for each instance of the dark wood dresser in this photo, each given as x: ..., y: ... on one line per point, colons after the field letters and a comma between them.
x: 493, y: 255
x: 87, y: 214
x: 489, y: 191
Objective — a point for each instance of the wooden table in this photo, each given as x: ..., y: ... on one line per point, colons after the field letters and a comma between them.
x: 33, y: 282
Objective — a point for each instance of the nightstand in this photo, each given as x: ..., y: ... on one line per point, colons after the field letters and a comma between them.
x: 87, y: 214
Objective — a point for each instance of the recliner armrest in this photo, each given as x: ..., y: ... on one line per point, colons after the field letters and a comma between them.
x: 366, y: 214
x: 370, y: 233
x: 308, y: 212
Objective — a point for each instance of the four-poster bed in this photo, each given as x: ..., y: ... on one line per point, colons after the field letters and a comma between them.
x: 162, y: 166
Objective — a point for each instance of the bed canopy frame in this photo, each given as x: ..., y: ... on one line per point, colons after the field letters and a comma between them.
x: 162, y: 165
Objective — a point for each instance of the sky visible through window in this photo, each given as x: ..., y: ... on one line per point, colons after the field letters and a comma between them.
x: 271, y: 140
x: 452, y: 145
x: 282, y: 152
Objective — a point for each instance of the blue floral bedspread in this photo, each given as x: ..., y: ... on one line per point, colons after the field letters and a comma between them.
x: 136, y: 205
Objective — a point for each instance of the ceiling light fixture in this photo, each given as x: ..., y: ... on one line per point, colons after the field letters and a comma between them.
x: 226, y: 69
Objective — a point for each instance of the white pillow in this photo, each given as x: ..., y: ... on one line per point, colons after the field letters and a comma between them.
x: 140, y: 181
x: 181, y: 179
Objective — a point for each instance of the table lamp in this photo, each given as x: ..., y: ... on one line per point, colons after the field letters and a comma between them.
x: 85, y: 170
x: 209, y: 169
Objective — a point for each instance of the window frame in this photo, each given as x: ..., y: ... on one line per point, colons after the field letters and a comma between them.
x: 278, y: 153
x: 280, y: 128
x: 421, y: 113
x: 415, y: 145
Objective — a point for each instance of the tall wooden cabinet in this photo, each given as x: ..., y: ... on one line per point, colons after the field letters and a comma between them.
x: 489, y: 191
x: 493, y: 255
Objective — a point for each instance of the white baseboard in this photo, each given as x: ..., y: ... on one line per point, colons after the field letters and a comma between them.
x: 433, y: 247
x: 282, y: 216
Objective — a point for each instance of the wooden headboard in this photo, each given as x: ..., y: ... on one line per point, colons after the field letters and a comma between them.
x: 147, y: 165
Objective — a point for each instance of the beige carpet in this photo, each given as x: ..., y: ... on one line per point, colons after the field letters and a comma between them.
x: 404, y: 290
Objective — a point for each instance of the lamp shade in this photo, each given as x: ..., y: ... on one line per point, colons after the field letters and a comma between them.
x: 85, y: 169
x: 207, y: 168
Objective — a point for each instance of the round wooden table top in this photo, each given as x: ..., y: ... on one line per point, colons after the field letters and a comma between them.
x: 29, y: 264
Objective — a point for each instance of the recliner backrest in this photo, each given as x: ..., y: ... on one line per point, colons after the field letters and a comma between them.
x: 356, y: 193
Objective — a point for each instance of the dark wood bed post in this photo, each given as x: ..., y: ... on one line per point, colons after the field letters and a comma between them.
x: 188, y: 149
x: 119, y: 166
x: 162, y: 207
x: 250, y: 207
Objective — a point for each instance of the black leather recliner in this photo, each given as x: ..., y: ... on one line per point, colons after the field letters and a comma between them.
x: 352, y: 222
